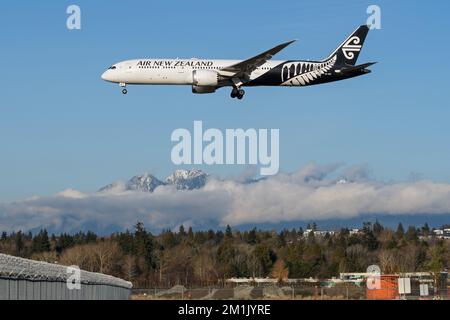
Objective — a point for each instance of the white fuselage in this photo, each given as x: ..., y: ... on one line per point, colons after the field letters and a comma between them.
x: 171, y: 71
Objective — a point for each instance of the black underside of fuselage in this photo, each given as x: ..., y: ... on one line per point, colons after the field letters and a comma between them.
x: 274, y: 77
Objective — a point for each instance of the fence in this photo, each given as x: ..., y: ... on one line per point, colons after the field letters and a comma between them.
x: 249, y: 292
x: 22, y: 279
x: 347, y: 291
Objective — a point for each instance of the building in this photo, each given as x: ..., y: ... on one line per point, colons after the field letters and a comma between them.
x: 386, y: 288
x: 24, y: 279
x: 318, y: 233
x: 442, y: 233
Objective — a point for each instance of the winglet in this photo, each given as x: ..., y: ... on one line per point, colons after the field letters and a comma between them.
x: 271, y: 52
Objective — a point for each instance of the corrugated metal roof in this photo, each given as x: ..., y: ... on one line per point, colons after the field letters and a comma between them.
x: 19, y: 268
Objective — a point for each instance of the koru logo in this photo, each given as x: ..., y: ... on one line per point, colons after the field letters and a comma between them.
x: 351, y: 46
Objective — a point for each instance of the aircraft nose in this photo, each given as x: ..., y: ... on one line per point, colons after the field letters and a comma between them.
x: 105, y: 76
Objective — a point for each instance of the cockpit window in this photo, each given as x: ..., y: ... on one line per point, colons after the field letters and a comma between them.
x: 112, y: 68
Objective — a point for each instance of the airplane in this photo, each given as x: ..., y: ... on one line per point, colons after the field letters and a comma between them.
x: 206, y: 76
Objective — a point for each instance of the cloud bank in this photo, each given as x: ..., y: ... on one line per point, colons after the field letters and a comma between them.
x: 309, y: 194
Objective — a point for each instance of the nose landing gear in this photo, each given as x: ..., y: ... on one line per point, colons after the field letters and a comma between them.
x: 124, y: 86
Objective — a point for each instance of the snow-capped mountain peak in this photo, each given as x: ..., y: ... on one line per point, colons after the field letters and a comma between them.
x: 145, y: 183
x: 181, y: 179
x: 187, y: 179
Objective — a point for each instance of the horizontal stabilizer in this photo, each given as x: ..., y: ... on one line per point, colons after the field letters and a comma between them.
x: 356, y: 68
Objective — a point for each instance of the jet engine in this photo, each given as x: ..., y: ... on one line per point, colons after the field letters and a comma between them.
x: 203, y: 89
x: 206, y: 78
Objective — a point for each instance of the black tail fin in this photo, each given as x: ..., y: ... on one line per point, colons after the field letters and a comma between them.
x: 348, y: 52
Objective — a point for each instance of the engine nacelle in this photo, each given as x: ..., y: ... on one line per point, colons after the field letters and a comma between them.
x: 207, y: 78
x: 203, y: 89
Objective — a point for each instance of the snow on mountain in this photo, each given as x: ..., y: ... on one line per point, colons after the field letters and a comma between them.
x: 181, y: 179
x: 143, y: 183
x: 116, y: 186
x: 187, y: 179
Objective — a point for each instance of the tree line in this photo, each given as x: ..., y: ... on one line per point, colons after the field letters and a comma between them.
x: 204, y: 258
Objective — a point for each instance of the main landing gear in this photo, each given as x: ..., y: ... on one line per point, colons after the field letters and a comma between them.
x: 237, y: 93
x: 124, y: 86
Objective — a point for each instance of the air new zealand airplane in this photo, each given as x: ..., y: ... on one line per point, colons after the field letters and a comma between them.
x: 206, y: 76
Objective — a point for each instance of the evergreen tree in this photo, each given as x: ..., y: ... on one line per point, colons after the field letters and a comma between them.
x: 377, y: 228
x: 168, y: 239
x: 218, y: 237
x: 41, y: 242
x: 228, y: 232
x: 211, y: 235
x: 438, y: 253
x: 200, y: 237
x: 90, y: 237
x: 182, y: 232
x: 411, y: 234
x: 143, y: 245
x: 190, y: 234
x: 400, y: 231
x: 19, y: 243
x: 369, y: 239
x: 425, y: 230
x: 225, y: 256
x: 252, y: 237
x: 265, y: 258
x: 281, y: 239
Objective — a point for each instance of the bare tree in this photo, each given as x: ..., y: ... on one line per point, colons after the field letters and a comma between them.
x: 280, y: 271
x: 387, y: 261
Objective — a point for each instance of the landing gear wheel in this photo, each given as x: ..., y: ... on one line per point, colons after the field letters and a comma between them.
x: 124, y: 91
x: 240, y: 94
x: 237, y: 93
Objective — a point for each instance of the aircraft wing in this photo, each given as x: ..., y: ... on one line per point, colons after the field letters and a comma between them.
x: 245, y: 68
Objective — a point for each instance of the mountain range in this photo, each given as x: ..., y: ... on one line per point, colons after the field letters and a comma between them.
x: 180, y: 179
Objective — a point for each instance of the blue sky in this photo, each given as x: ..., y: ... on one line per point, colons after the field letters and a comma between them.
x: 61, y: 126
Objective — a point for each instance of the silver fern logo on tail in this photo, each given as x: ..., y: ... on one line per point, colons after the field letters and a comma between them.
x: 303, y: 73
x: 351, y: 46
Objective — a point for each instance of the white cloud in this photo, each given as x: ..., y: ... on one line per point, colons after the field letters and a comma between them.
x: 309, y: 194
x: 71, y: 193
